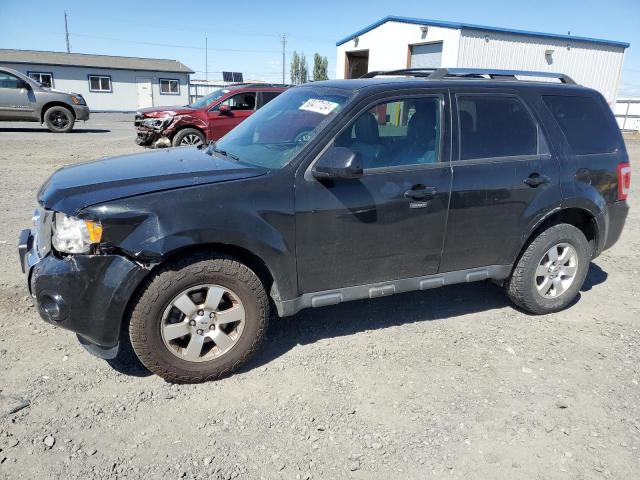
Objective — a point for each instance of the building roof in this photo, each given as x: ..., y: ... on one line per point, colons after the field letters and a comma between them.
x: 89, y: 60
x: 470, y: 26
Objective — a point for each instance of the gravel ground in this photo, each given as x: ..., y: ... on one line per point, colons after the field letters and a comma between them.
x: 451, y: 383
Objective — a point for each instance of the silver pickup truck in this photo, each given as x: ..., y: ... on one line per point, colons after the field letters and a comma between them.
x: 22, y: 99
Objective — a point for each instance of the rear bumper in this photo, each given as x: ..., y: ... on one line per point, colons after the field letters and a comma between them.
x: 616, y: 215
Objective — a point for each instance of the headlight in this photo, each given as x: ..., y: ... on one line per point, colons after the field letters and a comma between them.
x: 78, y: 100
x: 73, y: 235
x: 157, y: 123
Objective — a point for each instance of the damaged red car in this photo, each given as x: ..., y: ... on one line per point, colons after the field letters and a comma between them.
x: 208, y: 118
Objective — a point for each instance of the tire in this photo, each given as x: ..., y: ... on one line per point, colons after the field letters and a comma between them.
x: 188, y: 137
x: 59, y: 119
x: 155, y: 311
x: 539, y: 285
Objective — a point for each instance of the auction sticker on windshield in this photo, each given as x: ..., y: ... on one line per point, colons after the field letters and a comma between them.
x: 324, y: 107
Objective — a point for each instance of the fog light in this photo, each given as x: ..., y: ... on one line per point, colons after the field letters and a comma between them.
x: 53, y: 307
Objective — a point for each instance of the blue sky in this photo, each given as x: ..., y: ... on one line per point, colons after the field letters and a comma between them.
x: 245, y: 36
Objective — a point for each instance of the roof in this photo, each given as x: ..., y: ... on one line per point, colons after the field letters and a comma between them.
x: 95, y: 61
x: 470, y: 26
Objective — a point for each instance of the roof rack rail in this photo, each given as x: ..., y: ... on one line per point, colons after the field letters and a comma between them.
x: 494, y: 74
x: 498, y: 74
x: 416, y: 72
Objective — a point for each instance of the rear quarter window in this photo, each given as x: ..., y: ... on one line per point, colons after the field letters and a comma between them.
x: 586, y: 124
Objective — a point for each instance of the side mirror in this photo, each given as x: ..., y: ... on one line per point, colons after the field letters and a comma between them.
x: 224, y: 110
x: 338, y: 162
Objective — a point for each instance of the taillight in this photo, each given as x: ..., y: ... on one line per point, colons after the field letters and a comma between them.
x: 624, y: 180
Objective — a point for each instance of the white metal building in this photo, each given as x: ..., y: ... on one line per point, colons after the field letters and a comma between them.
x: 400, y: 42
x: 108, y: 83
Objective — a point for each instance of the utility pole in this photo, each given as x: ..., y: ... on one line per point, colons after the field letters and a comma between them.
x: 66, y: 32
x: 284, y: 45
x: 206, y: 59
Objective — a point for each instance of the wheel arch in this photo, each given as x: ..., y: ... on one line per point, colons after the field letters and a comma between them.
x: 241, y: 254
x: 55, y: 103
x: 581, y: 218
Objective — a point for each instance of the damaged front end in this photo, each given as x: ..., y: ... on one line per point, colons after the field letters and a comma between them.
x: 153, y: 132
x: 86, y: 292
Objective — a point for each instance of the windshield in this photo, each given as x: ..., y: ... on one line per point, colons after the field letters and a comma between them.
x: 208, y: 99
x: 273, y: 135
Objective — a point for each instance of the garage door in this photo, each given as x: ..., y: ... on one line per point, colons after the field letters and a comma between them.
x: 426, y: 56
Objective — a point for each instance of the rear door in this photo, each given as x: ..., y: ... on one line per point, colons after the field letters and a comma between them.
x: 241, y: 106
x: 388, y: 224
x: 16, y: 101
x: 504, y: 178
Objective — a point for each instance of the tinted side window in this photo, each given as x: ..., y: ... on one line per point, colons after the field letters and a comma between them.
x: 391, y: 134
x: 242, y: 101
x: 493, y: 126
x: 584, y: 123
x: 268, y: 96
x: 9, y: 81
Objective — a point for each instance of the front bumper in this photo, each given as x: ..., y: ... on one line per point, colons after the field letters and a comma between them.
x: 152, y: 138
x: 87, y: 294
x: 81, y: 112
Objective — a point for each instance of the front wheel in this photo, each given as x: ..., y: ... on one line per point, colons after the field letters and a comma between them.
x: 188, y: 137
x: 59, y: 119
x: 199, y: 319
x: 551, y: 270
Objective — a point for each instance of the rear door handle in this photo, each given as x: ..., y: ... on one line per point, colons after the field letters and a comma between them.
x: 420, y: 192
x: 535, y: 179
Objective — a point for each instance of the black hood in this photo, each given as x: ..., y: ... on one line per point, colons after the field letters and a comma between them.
x: 73, y: 188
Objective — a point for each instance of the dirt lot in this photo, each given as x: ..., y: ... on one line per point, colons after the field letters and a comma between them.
x: 449, y: 383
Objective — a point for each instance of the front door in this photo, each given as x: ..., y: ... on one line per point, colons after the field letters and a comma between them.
x: 16, y: 101
x: 504, y: 178
x: 240, y: 106
x: 389, y: 224
x: 145, y: 93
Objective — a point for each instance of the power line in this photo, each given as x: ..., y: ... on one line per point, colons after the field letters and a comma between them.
x: 169, y: 45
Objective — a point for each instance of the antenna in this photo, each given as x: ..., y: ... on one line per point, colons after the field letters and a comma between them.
x: 284, y: 44
x: 66, y: 32
x: 206, y: 58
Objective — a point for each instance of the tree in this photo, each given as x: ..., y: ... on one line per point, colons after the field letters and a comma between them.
x: 320, y: 66
x: 299, y: 69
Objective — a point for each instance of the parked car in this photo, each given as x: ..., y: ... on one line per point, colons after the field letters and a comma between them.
x: 396, y: 184
x: 22, y: 99
x: 208, y: 118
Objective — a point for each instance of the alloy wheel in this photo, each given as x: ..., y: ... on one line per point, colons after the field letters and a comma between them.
x: 203, y: 323
x: 191, y: 139
x: 59, y: 119
x: 556, y: 270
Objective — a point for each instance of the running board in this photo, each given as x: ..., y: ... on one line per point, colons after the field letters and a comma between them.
x: 384, y: 289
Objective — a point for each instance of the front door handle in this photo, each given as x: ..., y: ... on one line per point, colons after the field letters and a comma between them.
x: 535, y: 180
x: 420, y: 192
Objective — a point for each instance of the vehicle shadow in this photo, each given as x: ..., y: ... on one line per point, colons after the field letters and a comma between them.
x: 44, y: 130
x: 312, y: 325
x: 351, y: 318
x: 595, y: 276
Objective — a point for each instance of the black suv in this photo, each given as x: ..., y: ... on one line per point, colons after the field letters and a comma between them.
x: 334, y: 191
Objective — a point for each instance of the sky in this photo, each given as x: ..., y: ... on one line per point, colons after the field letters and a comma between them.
x: 246, y: 36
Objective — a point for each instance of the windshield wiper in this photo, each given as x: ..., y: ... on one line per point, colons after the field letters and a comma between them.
x: 213, y: 149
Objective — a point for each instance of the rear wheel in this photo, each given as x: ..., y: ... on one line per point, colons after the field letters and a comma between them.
x: 188, y: 137
x: 199, y: 319
x: 551, y: 270
x: 59, y: 119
